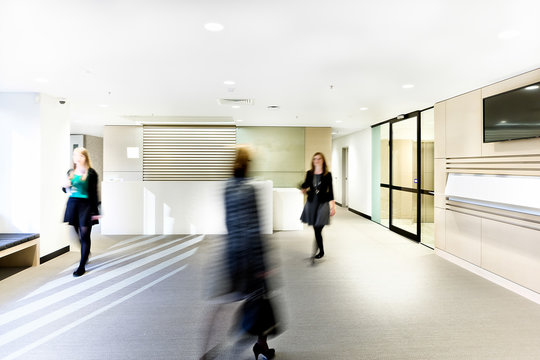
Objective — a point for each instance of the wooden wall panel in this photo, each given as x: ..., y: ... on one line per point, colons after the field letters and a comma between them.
x: 463, y: 234
x: 440, y: 130
x: 464, y: 125
x: 512, y: 252
x: 440, y: 182
x: 440, y: 229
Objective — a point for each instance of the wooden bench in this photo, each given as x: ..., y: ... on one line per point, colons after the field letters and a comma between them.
x: 19, y: 250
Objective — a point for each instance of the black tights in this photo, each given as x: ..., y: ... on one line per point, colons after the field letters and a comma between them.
x: 84, y: 237
x: 318, y: 238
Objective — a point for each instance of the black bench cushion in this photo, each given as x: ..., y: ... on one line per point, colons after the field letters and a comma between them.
x: 10, y: 240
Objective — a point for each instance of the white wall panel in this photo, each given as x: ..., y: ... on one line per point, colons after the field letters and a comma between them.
x: 512, y: 252
x: 463, y: 234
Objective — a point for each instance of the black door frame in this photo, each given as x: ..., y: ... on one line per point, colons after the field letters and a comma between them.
x: 415, y: 237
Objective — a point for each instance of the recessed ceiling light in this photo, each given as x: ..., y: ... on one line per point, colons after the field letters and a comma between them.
x: 236, y: 106
x: 508, y: 34
x: 339, y: 121
x: 363, y: 108
x: 229, y: 82
x: 103, y: 105
x: 239, y: 120
x: 41, y: 80
x: 532, y: 87
x: 213, y: 27
x: 407, y: 86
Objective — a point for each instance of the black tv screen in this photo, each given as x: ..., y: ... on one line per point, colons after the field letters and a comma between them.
x: 512, y: 115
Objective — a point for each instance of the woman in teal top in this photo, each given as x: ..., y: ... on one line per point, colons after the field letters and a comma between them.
x: 82, y: 207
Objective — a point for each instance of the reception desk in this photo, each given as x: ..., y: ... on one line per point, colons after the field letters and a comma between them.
x: 173, y: 207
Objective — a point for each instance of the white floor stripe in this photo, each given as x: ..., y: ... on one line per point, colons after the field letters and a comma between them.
x: 89, y: 283
x: 99, y: 267
x: 66, y: 328
x: 27, y: 328
x: 127, y: 241
x: 109, y: 253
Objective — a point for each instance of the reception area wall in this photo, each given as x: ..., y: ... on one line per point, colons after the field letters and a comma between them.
x: 133, y: 206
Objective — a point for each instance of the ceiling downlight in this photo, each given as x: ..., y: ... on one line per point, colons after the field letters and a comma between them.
x: 236, y: 101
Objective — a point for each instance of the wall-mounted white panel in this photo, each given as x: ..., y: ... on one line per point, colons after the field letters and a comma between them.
x: 512, y: 251
x: 463, y: 235
x: 515, y: 193
x: 288, y: 205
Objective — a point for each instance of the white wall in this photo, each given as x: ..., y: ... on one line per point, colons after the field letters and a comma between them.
x: 34, y: 136
x: 55, y: 139
x: 359, y: 183
x: 20, y: 145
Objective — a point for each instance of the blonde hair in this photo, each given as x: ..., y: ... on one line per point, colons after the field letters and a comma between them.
x: 241, y: 161
x: 84, y: 153
x: 324, y: 166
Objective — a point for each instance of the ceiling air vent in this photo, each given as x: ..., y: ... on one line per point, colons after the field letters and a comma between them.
x: 236, y: 101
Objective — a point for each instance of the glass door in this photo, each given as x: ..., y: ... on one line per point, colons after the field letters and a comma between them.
x: 404, y: 176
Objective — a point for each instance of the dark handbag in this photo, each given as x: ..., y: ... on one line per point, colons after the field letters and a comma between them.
x: 257, y: 315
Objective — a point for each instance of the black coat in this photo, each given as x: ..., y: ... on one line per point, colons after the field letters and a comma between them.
x: 326, y: 191
x: 92, y: 192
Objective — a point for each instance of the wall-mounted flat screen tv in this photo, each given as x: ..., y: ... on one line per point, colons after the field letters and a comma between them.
x: 513, y: 115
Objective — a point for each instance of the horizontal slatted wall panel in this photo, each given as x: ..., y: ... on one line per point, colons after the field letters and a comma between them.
x: 496, y: 165
x: 188, y: 153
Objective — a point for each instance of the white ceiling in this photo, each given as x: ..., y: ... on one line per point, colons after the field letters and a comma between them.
x: 112, y: 59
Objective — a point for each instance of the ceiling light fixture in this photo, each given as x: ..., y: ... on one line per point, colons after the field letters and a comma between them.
x: 407, y: 86
x: 339, y: 121
x: 363, y: 108
x: 229, y: 82
x: 213, y: 27
x: 239, y: 120
x: 236, y: 106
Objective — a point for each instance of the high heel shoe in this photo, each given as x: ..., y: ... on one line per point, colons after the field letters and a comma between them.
x: 319, y: 255
x: 259, y: 349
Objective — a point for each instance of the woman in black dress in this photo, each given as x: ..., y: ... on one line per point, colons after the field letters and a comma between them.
x: 82, y: 207
x: 320, y: 203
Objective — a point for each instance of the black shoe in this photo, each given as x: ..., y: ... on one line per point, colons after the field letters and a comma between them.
x: 319, y: 255
x: 266, y: 352
x: 79, y: 272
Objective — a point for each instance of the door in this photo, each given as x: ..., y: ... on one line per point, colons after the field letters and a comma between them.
x: 345, y: 176
x: 405, y: 176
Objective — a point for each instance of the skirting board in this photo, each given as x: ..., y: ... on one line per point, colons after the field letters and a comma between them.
x: 507, y: 284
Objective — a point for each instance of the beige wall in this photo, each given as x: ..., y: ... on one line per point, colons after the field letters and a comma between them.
x: 318, y: 140
x: 495, y: 240
x: 94, y: 145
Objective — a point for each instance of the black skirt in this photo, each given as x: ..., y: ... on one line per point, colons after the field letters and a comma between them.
x: 78, y: 212
x: 316, y: 213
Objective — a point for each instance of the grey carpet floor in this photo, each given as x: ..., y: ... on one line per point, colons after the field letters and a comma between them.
x: 375, y: 295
